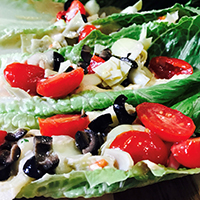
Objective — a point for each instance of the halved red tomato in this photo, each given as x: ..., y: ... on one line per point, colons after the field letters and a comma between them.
x: 23, y: 76
x: 63, y: 124
x: 59, y: 86
x: 165, y: 67
x: 142, y: 146
x: 169, y: 124
x: 187, y: 153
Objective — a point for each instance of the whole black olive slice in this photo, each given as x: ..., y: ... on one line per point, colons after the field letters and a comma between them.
x: 122, y: 115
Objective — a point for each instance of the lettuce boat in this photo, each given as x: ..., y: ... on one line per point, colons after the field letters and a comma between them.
x: 180, y: 94
x: 107, y: 180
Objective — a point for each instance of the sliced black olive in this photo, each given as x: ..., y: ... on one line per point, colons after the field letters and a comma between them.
x: 14, y: 153
x: 126, y: 82
x: 7, y: 158
x: 42, y: 144
x: 122, y: 115
x: 132, y: 62
x: 43, y: 161
x: 89, y: 141
x: 85, y: 54
x: 82, y: 139
x: 30, y: 168
x: 84, y: 18
x: 84, y: 65
x: 20, y: 133
x: 5, y: 172
x: 105, y: 54
x: 67, y: 4
x: 101, y: 123
x: 48, y: 163
x: 57, y: 59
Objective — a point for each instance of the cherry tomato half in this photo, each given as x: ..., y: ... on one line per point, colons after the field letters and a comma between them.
x: 23, y: 76
x: 60, y: 85
x: 165, y: 67
x: 187, y: 152
x: 94, y: 62
x: 2, y: 136
x: 142, y: 146
x: 62, y: 124
x: 169, y: 124
x: 86, y: 30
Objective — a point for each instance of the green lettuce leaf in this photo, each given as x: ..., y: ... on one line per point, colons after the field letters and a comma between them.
x: 99, y: 182
x: 16, y: 113
x: 191, y: 108
x: 125, y: 20
x: 25, y: 17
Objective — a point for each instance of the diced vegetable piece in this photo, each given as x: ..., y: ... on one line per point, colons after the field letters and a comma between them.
x: 99, y: 164
x: 92, y: 7
x: 124, y: 46
x: 112, y: 71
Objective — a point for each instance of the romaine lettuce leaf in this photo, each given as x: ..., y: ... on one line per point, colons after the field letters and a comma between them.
x: 191, y: 108
x: 25, y: 17
x: 99, y: 182
x: 125, y: 20
x: 16, y: 113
